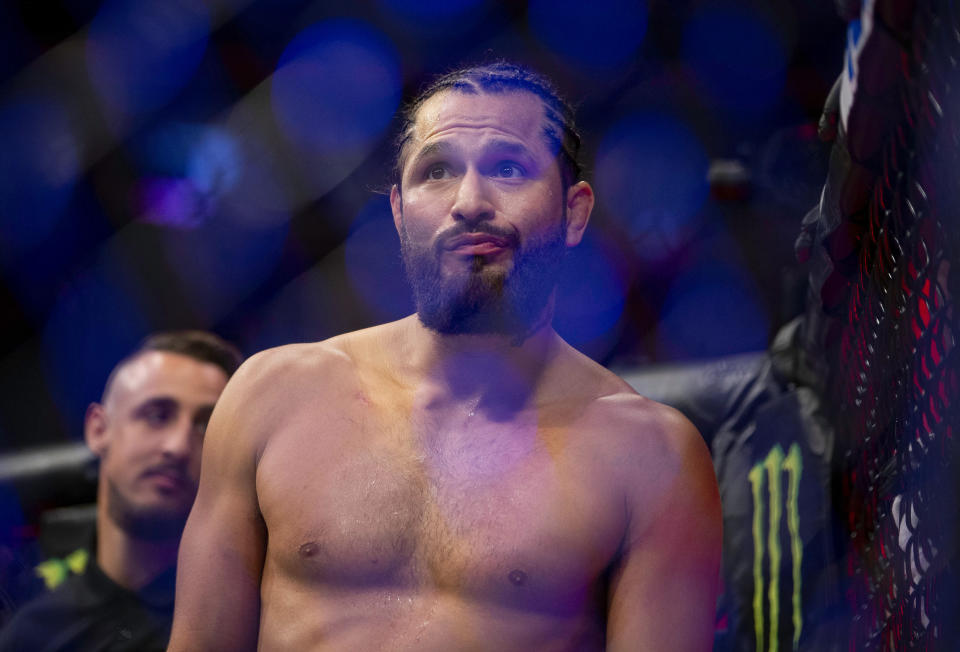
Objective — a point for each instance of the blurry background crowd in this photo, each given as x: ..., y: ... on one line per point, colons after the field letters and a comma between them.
x: 221, y: 165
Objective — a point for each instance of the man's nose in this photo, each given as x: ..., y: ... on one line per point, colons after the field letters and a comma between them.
x: 178, y: 442
x: 472, y: 203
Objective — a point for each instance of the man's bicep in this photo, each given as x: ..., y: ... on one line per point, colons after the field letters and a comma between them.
x: 218, y: 581
x: 663, y: 593
x: 221, y: 554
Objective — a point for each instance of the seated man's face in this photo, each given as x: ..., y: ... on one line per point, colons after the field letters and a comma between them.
x: 149, y: 435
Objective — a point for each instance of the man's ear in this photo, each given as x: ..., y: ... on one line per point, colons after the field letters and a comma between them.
x: 579, y: 206
x: 95, y: 429
x: 396, y: 206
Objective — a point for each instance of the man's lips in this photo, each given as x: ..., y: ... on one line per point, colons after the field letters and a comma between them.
x: 168, y: 479
x: 476, y: 244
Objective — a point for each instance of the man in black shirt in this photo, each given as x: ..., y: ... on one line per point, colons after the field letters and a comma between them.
x: 147, y: 431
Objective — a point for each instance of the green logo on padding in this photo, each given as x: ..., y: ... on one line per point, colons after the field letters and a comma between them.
x: 770, y: 472
x: 54, y: 571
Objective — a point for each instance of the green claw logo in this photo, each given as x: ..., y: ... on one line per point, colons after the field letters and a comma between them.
x: 771, y: 469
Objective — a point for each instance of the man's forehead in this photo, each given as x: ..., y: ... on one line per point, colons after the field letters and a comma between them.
x: 162, y: 370
x: 519, y: 114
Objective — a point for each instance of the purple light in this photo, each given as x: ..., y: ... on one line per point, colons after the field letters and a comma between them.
x: 170, y: 202
x: 196, y: 166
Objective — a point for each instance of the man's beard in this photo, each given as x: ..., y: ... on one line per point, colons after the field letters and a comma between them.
x: 484, y: 299
x: 146, y: 523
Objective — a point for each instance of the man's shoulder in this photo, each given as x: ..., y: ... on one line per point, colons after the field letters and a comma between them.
x: 281, y: 373
x: 635, y: 422
x: 270, y: 365
x: 650, y: 450
x: 611, y: 403
x: 291, y: 362
x: 637, y: 434
x: 277, y: 384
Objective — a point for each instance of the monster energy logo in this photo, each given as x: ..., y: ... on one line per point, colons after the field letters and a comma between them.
x: 771, y: 470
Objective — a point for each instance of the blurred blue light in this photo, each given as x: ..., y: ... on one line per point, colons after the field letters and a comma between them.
x: 164, y: 148
x: 421, y: 13
x: 214, y: 163
x: 591, y: 292
x: 262, y: 191
x: 95, y: 321
x: 337, y: 86
x: 38, y: 169
x: 651, y: 173
x: 372, y: 253
x: 199, y: 164
x: 854, y: 29
x: 603, y: 34
x: 712, y: 310
x: 140, y: 53
x: 222, y: 259
x: 736, y: 57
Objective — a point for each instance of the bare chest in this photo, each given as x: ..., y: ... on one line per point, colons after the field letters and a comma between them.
x: 503, y: 516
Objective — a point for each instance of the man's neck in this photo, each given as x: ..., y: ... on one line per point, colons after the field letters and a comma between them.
x: 494, y: 372
x: 131, y: 562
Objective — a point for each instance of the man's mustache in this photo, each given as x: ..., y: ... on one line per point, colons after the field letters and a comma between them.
x: 175, y: 470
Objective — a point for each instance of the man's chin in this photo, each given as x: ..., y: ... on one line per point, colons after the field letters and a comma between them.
x: 154, y: 523
x: 484, y: 297
x: 153, y: 516
x: 468, y: 318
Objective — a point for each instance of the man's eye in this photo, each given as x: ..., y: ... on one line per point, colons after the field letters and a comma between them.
x: 437, y: 172
x: 159, y: 415
x: 509, y: 171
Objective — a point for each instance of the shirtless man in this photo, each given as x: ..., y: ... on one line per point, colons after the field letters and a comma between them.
x: 461, y: 479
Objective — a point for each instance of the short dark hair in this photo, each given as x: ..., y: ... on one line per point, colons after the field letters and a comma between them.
x: 196, y: 344
x: 502, y: 77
